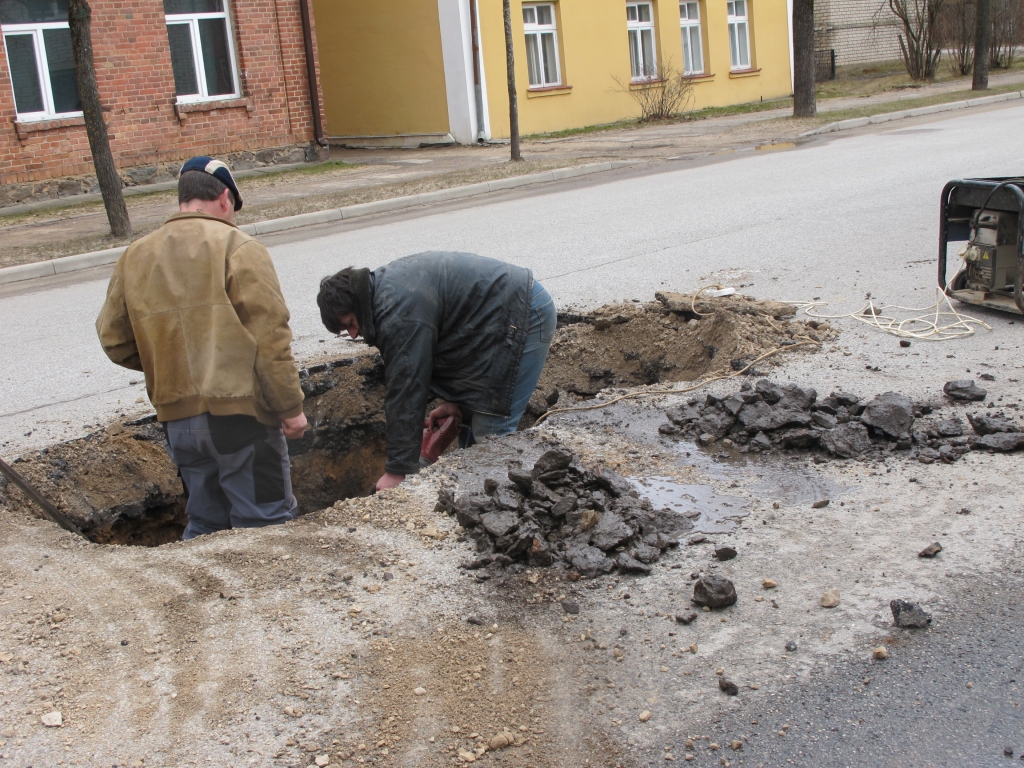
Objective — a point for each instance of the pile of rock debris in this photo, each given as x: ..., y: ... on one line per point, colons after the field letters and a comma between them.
x: 559, y: 513
x: 767, y: 416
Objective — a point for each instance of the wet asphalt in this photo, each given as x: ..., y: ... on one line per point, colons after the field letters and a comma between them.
x: 948, y: 696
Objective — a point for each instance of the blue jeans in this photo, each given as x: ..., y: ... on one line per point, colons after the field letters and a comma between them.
x: 538, y: 341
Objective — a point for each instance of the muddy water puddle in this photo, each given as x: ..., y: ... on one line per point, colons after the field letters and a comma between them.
x: 710, y: 511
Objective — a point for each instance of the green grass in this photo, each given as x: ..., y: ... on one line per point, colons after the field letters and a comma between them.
x: 924, y: 101
x: 328, y: 166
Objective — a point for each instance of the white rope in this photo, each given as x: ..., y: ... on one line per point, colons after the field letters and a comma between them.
x: 937, y: 324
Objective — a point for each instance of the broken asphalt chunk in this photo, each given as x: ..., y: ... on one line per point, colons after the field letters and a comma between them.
x: 909, y: 615
x: 964, y: 389
x: 714, y: 591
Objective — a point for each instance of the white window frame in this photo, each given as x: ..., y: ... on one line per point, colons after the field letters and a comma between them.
x: 648, y: 69
x: 537, y: 31
x: 36, y: 29
x: 739, y: 31
x: 193, y: 19
x: 690, y: 30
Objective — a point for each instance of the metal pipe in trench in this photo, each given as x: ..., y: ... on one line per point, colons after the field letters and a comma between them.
x: 49, y: 510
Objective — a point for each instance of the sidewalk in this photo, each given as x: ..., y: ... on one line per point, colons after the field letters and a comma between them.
x: 356, y: 177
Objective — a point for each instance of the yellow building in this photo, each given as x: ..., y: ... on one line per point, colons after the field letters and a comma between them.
x: 411, y: 72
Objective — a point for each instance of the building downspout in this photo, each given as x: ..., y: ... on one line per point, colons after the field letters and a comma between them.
x: 314, y: 88
x: 477, y: 86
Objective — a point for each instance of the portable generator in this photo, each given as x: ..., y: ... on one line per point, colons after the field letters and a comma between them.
x: 986, y: 213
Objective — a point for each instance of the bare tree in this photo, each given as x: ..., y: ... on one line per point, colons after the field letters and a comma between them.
x: 1007, y: 31
x: 982, y: 44
x: 667, y: 94
x: 805, y: 102
x: 956, y: 32
x: 513, y: 99
x: 920, y: 46
x: 80, y: 22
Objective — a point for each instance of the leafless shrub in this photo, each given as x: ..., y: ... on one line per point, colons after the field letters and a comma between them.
x: 1007, y: 31
x: 667, y: 94
x: 920, y: 44
x: 955, y: 30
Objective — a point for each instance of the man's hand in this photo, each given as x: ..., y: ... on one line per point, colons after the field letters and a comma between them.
x: 389, y: 480
x: 295, y: 427
x: 439, y: 414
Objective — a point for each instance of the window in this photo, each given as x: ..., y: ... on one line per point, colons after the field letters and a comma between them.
x: 38, y: 45
x: 541, y: 45
x: 202, y: 53
x: 693, y: 50
x: 739, y: 34
x: 640, y: 23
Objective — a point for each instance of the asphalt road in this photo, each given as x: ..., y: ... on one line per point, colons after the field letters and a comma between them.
x: 949, y: 695
x: 836, y: 218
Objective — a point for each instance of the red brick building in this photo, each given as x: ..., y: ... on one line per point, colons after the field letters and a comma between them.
x: 177, y: 78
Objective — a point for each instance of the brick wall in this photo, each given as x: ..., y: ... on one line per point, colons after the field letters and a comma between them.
x: 860, y: 31
x: 136, y: 82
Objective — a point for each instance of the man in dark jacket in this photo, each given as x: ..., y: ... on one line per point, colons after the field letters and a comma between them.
x: 471, y: 330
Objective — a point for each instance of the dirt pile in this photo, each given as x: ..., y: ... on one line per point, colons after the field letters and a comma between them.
x: 672, y: 339
x: 765, y: 416
x: 558, y: 513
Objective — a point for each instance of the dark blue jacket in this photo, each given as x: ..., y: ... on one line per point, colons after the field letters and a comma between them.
x: 447, y: 324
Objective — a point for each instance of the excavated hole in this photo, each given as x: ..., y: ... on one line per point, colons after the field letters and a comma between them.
x: 120, y: 486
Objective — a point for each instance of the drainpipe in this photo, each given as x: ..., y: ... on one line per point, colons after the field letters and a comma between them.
x: 477, y: 86
x: 314, y: 90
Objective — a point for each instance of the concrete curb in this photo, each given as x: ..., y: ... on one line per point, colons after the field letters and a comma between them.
x: 111, y: 255
x: 885, y: 117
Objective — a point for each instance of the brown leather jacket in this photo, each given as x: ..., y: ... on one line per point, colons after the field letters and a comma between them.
x: 196, y: 305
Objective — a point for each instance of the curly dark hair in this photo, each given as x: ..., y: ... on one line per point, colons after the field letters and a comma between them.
x: 336, y: 299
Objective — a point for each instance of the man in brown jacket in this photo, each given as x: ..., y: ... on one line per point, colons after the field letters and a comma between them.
x: 197, y: 307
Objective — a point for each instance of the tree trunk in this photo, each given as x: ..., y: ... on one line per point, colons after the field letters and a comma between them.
x: 982, y: 44
x: 513, y: 101
x: 80, y: 20
x: 804, y: 98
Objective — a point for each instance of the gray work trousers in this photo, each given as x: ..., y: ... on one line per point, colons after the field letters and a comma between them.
x: 236, y: 472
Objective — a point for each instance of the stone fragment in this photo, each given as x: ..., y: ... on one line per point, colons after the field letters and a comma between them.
x: 990, y: 425
x: 686, y: 618
x: 589, y: 561
x: 571, y: 607
x: 553, y: 460
x: 466, y: 756
x: 952, y: 427
x: 760, y: 442
x: 627, y: 564
x: 728, y: 687
x: 736, y: 745
x: 52, y: 719
x: 610, y: 531
x: 786, y: 395
x: 769, y: 584
x: 501, y: 740
x: 791, y: 646
x: 820, y: 504
x: 322, y: 760
x: 825, y: 420
x: 964, y: 389
x: 589, y: 519
x: 715, y: 422
x: 683, y: 416
x: 1001, y: 442
x: 714, y: 591
x: 564, y: 506
x: 891, y: 413
x: 613, y: 482
x: 522, y: 479
x: 645, y: 553
x: 761, y: 416
x: 830, y: 599
x: 847, y: 440
x: 909, y: 615
x: 540, y: 554
x: 931, y: 550
x: 645, y: 716
x: 499, y: 523
x: 881, y: 653
x: 725, y: 553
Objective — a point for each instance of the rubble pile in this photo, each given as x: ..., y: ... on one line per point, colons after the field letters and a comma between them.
x: 559, y: 513
x: 766, y: 416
